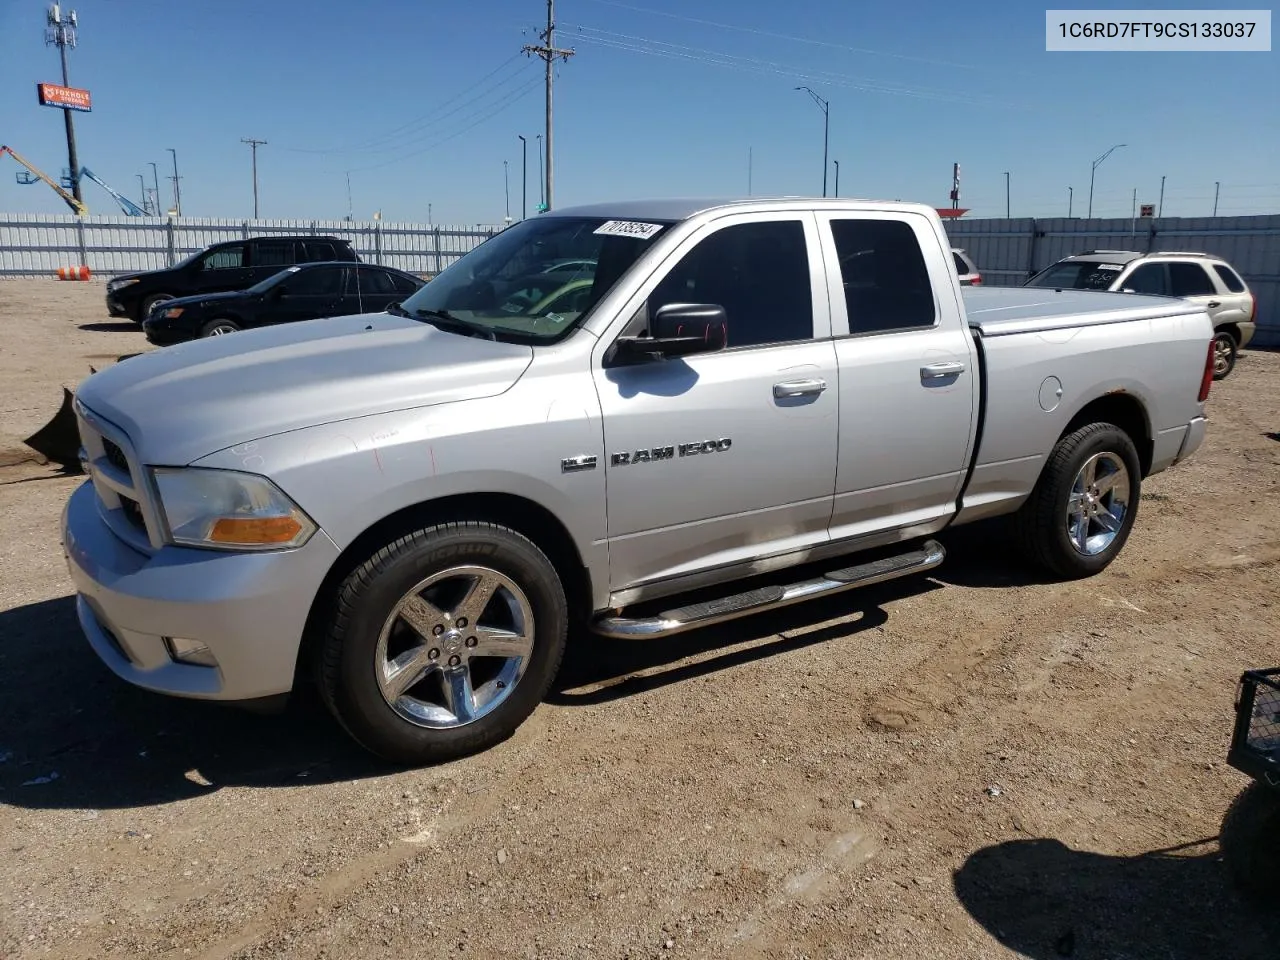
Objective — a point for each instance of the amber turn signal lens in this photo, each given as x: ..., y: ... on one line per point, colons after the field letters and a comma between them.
x: 255, y: 530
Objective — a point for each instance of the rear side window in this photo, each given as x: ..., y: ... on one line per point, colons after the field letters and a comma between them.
x: 1190, y: 280
x: 886, y: 282
x: 225, y: 258
x: 759, y: 273
x: 1148, y: 278
x: 1229, y: 277
x: 272, y: 253
x: 404, y: 284
x: 321, y: 250
x: 375, y: 283
x: 962, y: 268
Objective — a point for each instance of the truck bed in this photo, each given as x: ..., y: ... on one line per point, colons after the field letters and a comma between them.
x: 1000, y: 311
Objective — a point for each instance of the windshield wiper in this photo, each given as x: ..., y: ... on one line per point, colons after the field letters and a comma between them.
x: 444, y: 320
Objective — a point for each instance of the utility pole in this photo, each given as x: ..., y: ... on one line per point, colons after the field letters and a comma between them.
x: 253, y: 146
x: 542, y: 183
x: 1093, y: 169
x: 1216, y: 186
x: 350, y: 212
x: 826, y: 130
x: 177, y: 193
x: 61, y: 32
x: 1160, y: 208
x: 429, y: 220
x: 1133, y: 222
x: 837, y: 163
x: 146, y: 204
x: 749, y: 149
x: 524, y: 177
x: 155, y: 178
x: 1071, y: 196
x: 1007, y: 207
x: 548, y: 53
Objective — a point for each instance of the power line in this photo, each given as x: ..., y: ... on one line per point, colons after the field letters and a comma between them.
x: 754, y: 65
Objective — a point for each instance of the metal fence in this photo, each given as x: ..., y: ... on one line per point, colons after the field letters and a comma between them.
x: 37, y: 245
x: 1009, y: 251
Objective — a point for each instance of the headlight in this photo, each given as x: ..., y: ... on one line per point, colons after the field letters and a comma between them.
x: 229, y: 510
x: 119, y: 284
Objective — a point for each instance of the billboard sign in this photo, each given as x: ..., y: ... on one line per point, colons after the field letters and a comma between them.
x: 56, y: 95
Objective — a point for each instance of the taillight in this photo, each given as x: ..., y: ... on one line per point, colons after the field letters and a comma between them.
x: 1206, y: 381
x: 977, y: 279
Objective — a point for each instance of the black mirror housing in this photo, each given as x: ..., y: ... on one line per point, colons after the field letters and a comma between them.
x: 680, y: 330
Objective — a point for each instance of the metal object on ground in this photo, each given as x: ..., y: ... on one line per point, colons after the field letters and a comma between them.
x: 1255, y: 743
x: 59, y: 440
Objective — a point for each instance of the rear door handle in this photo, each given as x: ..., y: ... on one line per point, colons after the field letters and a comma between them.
x: 935, y: 371
x: 798, y: 388
x: 1214, y: 303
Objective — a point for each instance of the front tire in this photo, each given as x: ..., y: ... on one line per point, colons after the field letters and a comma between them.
x: 217, y: 328
x: 1083, y: 507
x: 443, y: 642
x: 1225, y: 350
x: 145, y: 309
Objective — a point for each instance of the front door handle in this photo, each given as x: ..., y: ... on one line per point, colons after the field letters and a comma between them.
x: 798, y: 388
x: 935, y: 371
x: 1213, y: 303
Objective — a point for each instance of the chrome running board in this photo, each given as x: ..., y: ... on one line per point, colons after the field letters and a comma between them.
x: 760, y: 599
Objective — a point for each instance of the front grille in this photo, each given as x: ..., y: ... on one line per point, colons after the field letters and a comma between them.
x: 133, y: 513
x: 115, y: 456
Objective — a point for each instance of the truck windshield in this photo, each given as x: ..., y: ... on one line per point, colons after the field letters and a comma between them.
x: 1077, y: 275
x: 537, y: 279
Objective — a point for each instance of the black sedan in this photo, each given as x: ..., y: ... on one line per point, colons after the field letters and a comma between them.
x: 303, y: 292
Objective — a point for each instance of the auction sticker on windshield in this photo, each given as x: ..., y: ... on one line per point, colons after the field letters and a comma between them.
x: 628, y: 228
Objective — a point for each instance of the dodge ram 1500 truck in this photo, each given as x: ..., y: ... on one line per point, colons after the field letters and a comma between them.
x: 643, y: 417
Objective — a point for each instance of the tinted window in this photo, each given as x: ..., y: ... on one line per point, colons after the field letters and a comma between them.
x: 961, y: 267
x: 886, y: 282
x: 759, y: 273
x: 272, y: 253
x: 321, y: 250
x: 1148, y: 278
x: 226, y: 258
x: 375, y: 283
x: 1077, y: 275
x: 404, y: 284
x: 321, y: 281
x: 1190, y: 280
x: 1229, y: 277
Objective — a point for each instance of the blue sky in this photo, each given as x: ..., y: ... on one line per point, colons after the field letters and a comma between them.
x: 423, y: 101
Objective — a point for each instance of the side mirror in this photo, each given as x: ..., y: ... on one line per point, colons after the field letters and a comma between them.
x: 681, y: 329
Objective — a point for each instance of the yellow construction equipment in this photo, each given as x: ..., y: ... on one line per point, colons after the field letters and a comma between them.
x: 80, y: 208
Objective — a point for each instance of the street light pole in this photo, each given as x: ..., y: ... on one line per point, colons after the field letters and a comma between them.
x: 524, y: 177
x: 542, y: 195
x: 826, y: 130
x: 1007, y: 207
x: 1217, y: 185
x: 146, y: 204
x: 506, y: 190
x: 1160, y: 209
x: 1093, y: 168
x: 1071, y: 195
x: 837, y: 163
x: 156, y: 177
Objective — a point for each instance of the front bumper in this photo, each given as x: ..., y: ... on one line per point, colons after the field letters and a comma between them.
x: 164, y: 336
x: 115, y: 308
x: 248, y: 608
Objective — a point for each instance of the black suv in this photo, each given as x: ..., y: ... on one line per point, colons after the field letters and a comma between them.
x: 234, y: 265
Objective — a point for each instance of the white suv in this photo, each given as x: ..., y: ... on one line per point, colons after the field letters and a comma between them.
x: 1201, y: 277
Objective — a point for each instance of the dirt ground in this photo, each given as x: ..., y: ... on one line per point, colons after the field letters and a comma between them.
x: 969, y: 765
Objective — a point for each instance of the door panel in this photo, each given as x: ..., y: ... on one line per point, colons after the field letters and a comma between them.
x: 225, y: 268
x: 1192, y: 282
x: 377, y: 290
x: 310, y: 293
x: 725, y: 457
x: 908, y: 382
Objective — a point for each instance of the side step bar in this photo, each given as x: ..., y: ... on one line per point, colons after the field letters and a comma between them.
x: 760, y: 599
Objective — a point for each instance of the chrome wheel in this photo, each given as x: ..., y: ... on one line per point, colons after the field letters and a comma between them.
x: 1098, y: 504
x: 454, y: 647
x: 1223, y: 348
x: 218, y: 329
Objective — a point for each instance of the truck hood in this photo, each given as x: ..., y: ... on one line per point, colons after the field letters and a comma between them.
x: 180, y: 403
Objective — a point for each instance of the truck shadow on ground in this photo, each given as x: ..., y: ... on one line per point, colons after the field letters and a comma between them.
x: 97, y: 742
x: 1047, y: 901
x: 111, y: 326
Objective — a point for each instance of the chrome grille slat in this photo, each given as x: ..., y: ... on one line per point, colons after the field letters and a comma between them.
x: 123, y: 499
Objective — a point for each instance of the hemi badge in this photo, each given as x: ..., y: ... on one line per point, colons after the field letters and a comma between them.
x: 576, y: 464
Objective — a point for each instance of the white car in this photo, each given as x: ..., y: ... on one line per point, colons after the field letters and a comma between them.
x: 1200, y: 277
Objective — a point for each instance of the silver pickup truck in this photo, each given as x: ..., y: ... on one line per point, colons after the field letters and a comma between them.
x: 638, y: 417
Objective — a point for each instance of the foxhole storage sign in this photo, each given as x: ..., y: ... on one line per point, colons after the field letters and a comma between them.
x: 70, y: 98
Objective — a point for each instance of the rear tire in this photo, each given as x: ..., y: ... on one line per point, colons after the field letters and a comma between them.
x: 443, y: 642
x: 1225, y: 349
x: 1076, y: 522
